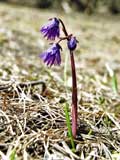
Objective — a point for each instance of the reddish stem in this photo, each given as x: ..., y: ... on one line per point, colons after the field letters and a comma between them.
x: 74, y: 96
x: 64, y: 29
x: 74, y: 87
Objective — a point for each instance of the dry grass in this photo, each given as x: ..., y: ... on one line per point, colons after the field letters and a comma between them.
x: 32, y: 122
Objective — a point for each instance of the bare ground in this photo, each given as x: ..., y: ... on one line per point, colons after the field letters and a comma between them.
x: 32, y: 122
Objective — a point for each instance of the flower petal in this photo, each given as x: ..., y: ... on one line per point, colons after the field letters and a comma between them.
x: 51, y: 30
x: 52, y: 55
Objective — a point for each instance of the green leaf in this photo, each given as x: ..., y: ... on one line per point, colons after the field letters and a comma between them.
x: 114, y: 83
x: 65, y: 69
x: 66, y: 110
x: 13, y: 154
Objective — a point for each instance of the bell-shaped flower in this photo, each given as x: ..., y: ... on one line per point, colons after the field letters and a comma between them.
x: 51, y: 30
x: 52, y: 55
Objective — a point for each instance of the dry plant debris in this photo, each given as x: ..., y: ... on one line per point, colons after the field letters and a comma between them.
x: 32, y: 124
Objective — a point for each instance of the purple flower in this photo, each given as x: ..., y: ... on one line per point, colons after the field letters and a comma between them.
x: 52, y: 55
x: 72, y: 43
x: 51, y: 30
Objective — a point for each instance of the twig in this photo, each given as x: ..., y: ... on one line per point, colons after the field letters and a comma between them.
x: 24, y: 84
x: 8, y: 120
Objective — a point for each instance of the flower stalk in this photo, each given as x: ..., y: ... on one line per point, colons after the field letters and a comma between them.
x: 74, y: 96
x: 74, y: 84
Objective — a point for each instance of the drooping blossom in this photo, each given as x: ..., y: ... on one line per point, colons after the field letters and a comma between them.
x: 52, y: 55
x: 51, y: 30
x: 72, y: 43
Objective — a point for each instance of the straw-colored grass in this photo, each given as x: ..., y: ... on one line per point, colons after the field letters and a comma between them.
x: 32, y: 121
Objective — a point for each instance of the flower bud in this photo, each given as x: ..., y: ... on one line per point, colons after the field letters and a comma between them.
x: 72, y: 43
